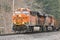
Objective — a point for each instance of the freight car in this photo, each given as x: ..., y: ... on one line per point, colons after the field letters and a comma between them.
x: 25, y: 20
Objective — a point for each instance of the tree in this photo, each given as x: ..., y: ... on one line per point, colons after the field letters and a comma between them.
x: 47, y: 6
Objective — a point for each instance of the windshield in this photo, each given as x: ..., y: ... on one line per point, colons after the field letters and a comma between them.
x: 25, y: 12
x: 21, y: 11
x: 17, y: 12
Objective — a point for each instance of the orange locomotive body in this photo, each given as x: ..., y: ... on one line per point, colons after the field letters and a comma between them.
x: 25, y: 20
x: 20, y: 17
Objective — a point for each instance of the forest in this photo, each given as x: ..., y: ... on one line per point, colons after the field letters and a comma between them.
x: 48, y: 6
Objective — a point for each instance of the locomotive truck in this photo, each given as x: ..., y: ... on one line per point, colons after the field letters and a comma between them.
x: 25, y: 20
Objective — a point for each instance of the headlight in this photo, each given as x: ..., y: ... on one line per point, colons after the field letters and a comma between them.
x: 22, y: 22
x: 19, y: 15
x: 14, y: 22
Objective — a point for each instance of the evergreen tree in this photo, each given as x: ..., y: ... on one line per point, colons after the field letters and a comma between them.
x: 47, y: 6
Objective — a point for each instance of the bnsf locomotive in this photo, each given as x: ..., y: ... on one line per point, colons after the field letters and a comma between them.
x: 25, y: 20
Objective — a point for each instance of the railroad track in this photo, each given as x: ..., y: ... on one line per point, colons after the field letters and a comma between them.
x: 26, y: 33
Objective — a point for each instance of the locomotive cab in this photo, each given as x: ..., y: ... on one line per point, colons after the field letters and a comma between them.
x: 50, y: 23
x: 20, y: 19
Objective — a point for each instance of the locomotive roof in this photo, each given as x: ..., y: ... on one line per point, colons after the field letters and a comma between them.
x: 38, y: 13
x: 34, y: 12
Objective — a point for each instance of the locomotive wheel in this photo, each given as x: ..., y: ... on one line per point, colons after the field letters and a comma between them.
x: 49, y: 28
x: 42, y: 29
x: 22, y: 31
x: 14, y: 28
x: 57, y: 29
x: 46, y: 28
x: 53, y: 28
x: 37, y: 28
